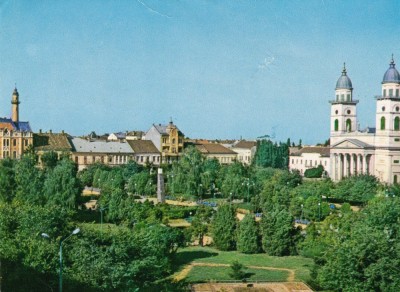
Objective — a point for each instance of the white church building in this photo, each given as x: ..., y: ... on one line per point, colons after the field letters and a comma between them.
x: 374, y: 151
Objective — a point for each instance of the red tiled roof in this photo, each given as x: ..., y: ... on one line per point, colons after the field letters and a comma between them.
x: 212, y: 148
x: 323, y: 151
x: 245, y: 144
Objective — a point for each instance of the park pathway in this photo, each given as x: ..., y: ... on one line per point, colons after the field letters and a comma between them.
x: 185, y: 271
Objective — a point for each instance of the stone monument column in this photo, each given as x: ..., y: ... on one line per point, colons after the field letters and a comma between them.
x: 160, y: 186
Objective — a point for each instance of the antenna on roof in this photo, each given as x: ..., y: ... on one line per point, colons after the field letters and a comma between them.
x: 170, y: 120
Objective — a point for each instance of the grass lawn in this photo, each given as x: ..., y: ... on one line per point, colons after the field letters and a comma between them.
x: 198, y: 274
x: 299, y: 264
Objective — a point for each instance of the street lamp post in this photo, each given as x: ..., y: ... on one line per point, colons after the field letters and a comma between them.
x: 76, y: 231
x: 102, y: 209
x: 319, y: 211
x: 201, y: 191
x: 301, y: 216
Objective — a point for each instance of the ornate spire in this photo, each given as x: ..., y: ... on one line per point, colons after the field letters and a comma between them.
x: 392, y: 62
x: 344, y: 72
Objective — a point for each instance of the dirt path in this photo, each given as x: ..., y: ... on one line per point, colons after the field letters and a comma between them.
x: 183, y: 274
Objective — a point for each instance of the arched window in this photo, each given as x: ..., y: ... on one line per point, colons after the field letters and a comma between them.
x: 384, y: 93
x: 348, y: 125
x: 336, y: 125
x: 383, y: 123
x: 396, y: 123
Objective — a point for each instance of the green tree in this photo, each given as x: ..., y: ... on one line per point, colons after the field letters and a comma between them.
x: 365, y: 256
x: 248, y: 235
x: 232, y: 180
x: 7, y: 180
x: 200, y: 223
x: 187, y: 172
x: 279, y: 235
x: 359, y: 188
x: 224, y: 228
x: 237, y: 270
x: 49, y: 160
x: 315, y: 172
x: 29, y: 181
x: 61, y: 186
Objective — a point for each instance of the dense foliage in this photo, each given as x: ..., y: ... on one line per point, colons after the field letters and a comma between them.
x: 315, y: 172
x: 134, y: 252
x: 271, y: 154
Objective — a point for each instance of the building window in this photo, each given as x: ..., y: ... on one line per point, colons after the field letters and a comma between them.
x: 397, y: 93
x: 383, y: 123
x: 396, y: 123
x: 395, y: 179
x: 84, y: 160
x: 14, y: 142
x: 14, y: 154
x: 337, y: 97
x: 164, y: 140
x: 348, y: 125
x: 342, y: 97
x: 26, y: 142
x: 384, y: 93
x: 336, y: 125
x: 348, y: 97
x: 395, y: 161
x: 390, y: 92
x: 76, y: 159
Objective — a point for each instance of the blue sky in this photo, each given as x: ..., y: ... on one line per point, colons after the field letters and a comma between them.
x: 220, y: 69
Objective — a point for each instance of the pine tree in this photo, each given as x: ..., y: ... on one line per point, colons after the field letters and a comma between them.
x: 224, y: 228
x: 247, y: 235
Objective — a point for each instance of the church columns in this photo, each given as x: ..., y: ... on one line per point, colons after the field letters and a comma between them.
x: 340, y: 167
x: 352, y: 165
x: 364, y: 158
x: 344, y: 174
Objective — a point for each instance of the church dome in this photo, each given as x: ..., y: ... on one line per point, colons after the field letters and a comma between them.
x: 344, y: 81
x: 391, y: 75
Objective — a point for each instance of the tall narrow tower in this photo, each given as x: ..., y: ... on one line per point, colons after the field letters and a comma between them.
x: 15, y: 106
x: 343, y: 109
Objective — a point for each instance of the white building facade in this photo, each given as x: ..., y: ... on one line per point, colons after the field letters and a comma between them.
x: 374, y: 151
x: 310, y: 157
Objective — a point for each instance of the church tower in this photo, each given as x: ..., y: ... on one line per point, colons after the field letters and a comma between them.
x: 15, y: 106
x: 343, y: 108
x: 387, y: 138
x: 388, y: 106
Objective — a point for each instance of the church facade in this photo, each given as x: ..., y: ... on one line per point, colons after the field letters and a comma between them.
x: 374, y: 151
x: 15, y: 136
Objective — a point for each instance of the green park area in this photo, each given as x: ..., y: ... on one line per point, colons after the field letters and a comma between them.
x: 201, y: 264
x: 259, y: 223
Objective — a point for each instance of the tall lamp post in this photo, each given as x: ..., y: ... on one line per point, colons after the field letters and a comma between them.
x: 301, y: 216
x: 319, y: 211
x: 102, y: 209
x: 76, y: 231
